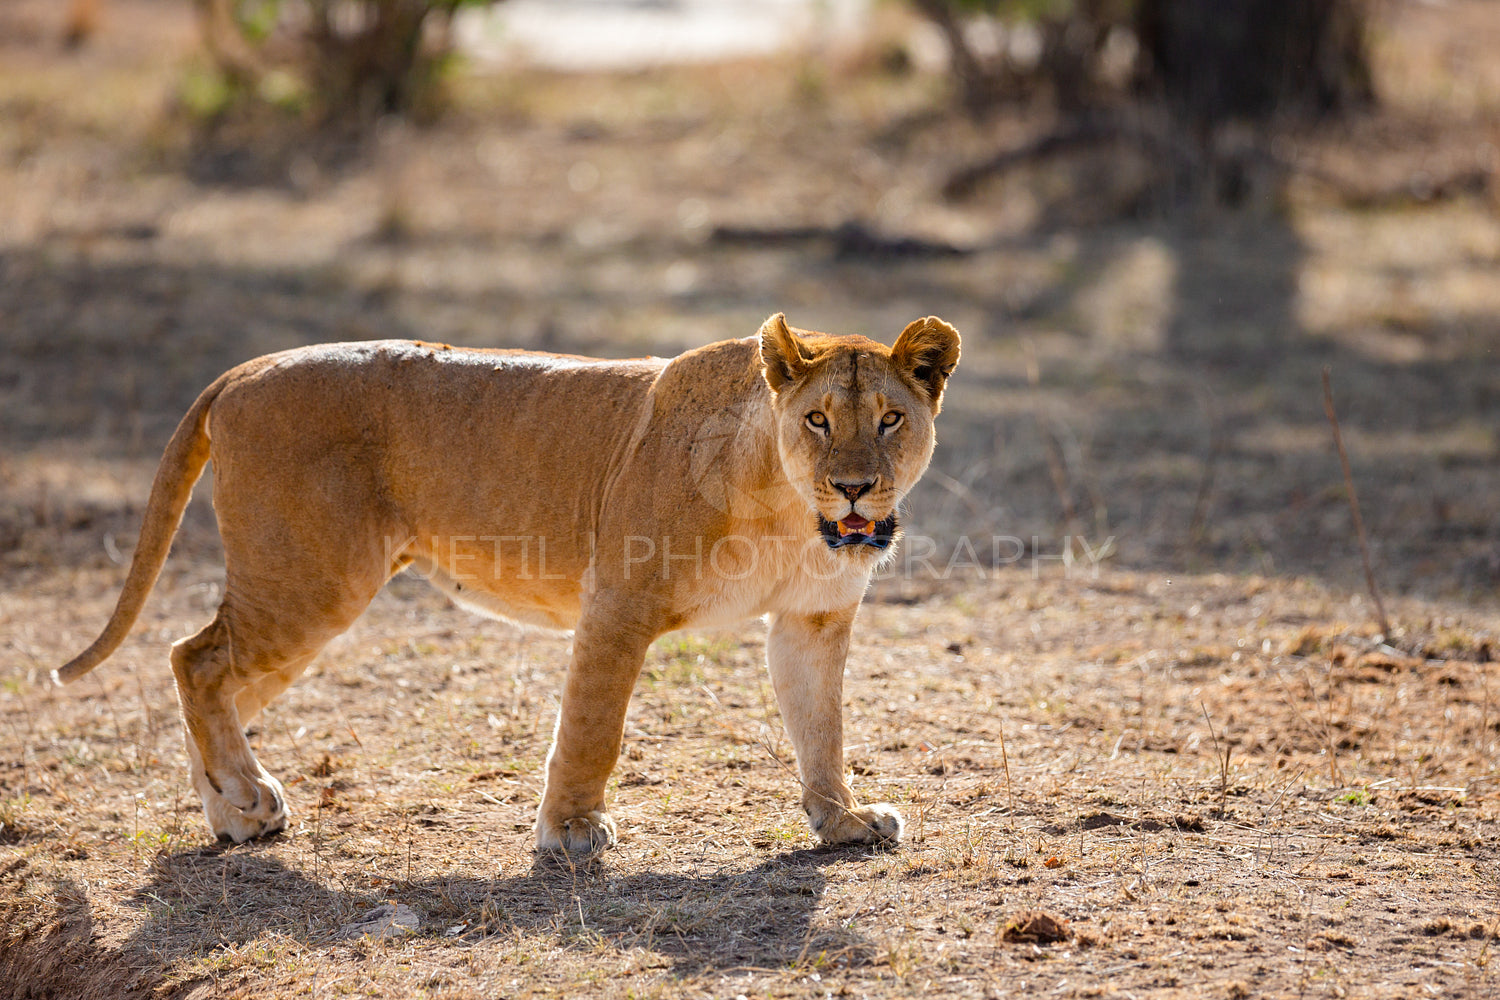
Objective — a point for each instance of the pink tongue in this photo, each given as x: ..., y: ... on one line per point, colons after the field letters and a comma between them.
x: 855, y: 523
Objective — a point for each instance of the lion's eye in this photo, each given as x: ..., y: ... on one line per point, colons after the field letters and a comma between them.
x: 890, y: 421
x: 817, y: 421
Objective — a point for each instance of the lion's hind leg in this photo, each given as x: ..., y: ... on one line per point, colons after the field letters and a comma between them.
x: 240, y: 799
x: 231, y: 670
x: 305, y: 550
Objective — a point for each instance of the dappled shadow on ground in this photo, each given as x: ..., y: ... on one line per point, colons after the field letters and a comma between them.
x: 1128, y: 373
x: 1173, y: 404
x: 1176, y: 406
x: 1249, y: 345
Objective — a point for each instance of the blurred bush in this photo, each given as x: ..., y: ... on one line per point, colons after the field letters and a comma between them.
x: 344, y: 61
x: 1210, y: 60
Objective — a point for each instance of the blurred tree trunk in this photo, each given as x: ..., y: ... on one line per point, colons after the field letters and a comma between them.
x: 1210, y: 59
x: 375, y: 70
x: 1207, y: 63
x: 981, y: 83
x: 1252, y: 59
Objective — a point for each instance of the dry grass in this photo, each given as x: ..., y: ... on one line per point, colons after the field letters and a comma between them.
x: 1046, y: 738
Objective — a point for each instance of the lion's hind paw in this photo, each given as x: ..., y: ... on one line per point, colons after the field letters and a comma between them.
x: 267, y: 813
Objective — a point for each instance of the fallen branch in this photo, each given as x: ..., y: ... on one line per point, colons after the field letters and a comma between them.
x: 1163, y: 143
x: 962, y: 182
x: 849, y: 239
x: 1158, y: 140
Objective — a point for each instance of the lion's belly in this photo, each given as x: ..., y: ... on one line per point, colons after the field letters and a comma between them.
x: 550, y: 602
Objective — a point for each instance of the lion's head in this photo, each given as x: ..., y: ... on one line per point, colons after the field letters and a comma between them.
x: 854, y: 420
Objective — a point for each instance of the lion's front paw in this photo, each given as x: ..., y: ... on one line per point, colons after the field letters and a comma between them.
x: 265, y: 811
x: 879, y: 823
x: 586, y: 834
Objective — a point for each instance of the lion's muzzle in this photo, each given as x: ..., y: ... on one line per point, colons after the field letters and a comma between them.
x: 857, y: 530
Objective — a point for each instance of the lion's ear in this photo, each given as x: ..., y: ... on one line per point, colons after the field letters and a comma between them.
x: 927, y: 351
x: 782, y: 356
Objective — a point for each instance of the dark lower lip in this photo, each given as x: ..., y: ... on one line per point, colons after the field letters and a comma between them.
x: 878, y: 535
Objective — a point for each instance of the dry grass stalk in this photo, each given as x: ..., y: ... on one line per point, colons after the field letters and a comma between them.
x: 1221, y: 760
x: 1056, y: 466
x: 1359, y: 523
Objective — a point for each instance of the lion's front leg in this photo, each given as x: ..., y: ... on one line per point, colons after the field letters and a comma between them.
x: 806, y: 655
x: 609, y: 649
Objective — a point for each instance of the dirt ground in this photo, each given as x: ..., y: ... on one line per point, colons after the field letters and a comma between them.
x: 1186, y: 745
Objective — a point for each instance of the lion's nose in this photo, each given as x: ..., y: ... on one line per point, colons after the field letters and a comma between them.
x: 852, y: 490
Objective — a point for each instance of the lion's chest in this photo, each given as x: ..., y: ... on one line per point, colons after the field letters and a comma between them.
x: 757, y: 576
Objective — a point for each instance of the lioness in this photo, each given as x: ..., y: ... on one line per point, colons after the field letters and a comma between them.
x: 620, y: 499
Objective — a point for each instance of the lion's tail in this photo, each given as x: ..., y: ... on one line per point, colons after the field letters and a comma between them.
x: 181, y: 465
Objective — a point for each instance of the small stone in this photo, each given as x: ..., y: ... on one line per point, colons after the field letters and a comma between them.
x: 385, y: 920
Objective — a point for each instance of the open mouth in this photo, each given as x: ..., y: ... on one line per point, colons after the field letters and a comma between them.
x: 856, y: 530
